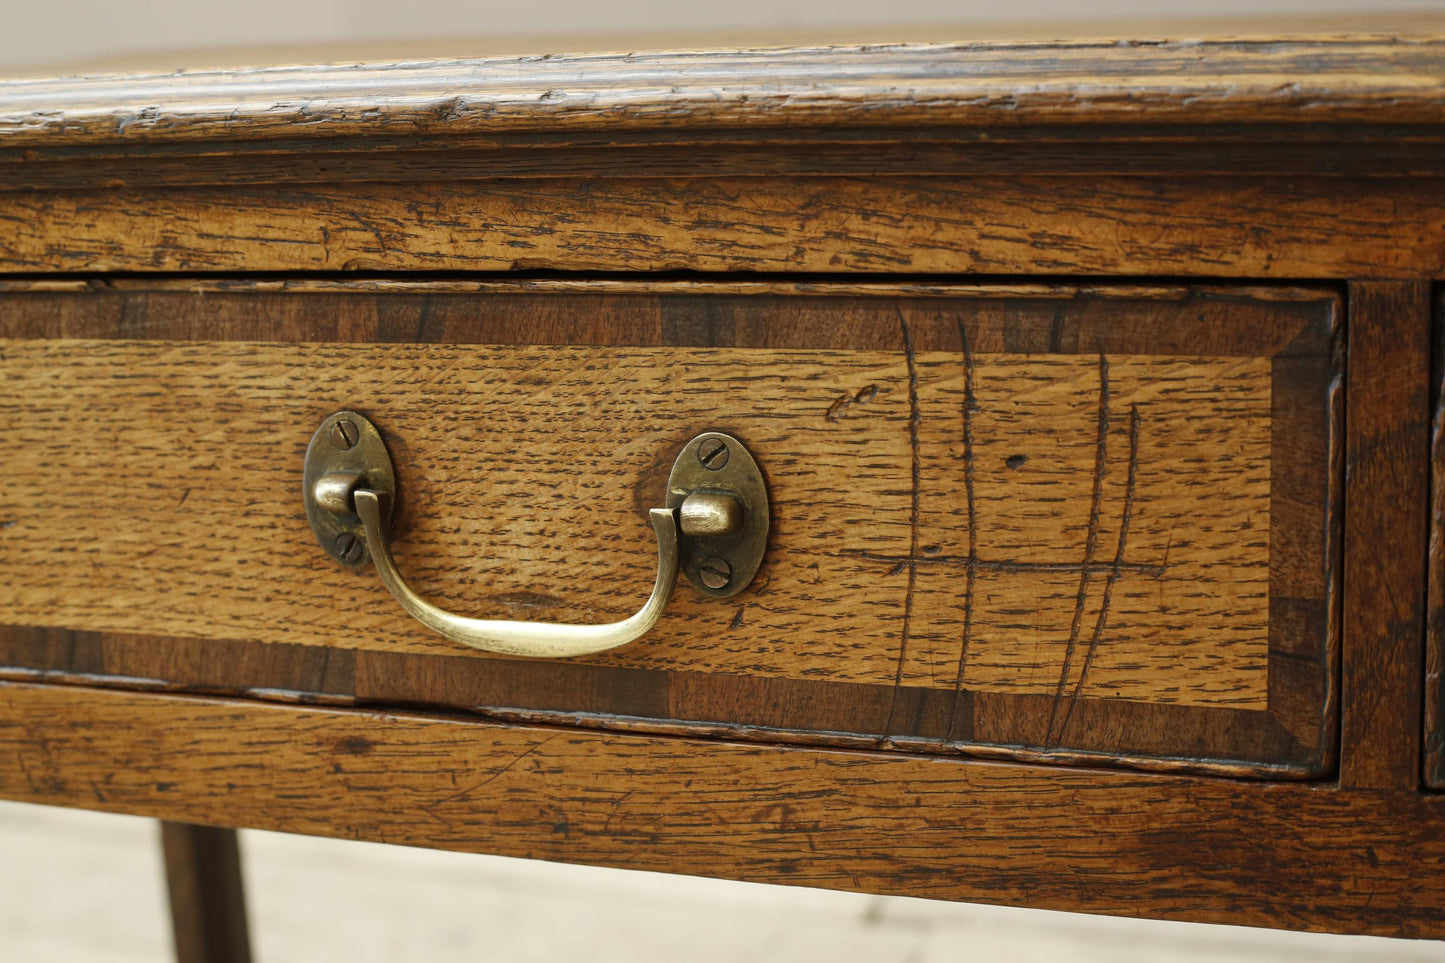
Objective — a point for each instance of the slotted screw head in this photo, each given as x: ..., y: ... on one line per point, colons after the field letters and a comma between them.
x: 713, y: 453
x: 344, y: 435
x: 349, y: 547
x: 715, y: 572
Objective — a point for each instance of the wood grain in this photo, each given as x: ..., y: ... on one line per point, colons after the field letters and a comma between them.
x: 1129, y: 844
x: 103, y: 290
x: 1367, y: 107
x: 548, y: 436
x: 1386, y: 487
x: 1160, y: 737
x: 956, y: 512
x: 1434, y: 694
x: 1281, y: 228
x: 1004, y: 85
x: 1374, y: 152
x: 1128, y: 526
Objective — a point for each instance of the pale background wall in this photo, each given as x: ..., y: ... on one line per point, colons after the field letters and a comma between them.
x: 85, y: 887
x: 36, y: 33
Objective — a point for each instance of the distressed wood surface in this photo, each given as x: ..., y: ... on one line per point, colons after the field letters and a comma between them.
x: 1297, y: 856
x: 347, y: 190
x: 1293, y: 82
x: 1387, y: 488
x: 527, y: 481
x: 1369, y: 106
x: 1286, y: 228
x: 1059, y: 501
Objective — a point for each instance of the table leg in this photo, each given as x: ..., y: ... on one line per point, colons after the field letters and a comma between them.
x: 208, y: 905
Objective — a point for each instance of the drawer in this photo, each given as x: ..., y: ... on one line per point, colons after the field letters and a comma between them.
x: 1043, y: 522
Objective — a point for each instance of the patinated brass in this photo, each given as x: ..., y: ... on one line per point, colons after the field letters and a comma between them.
x: 714, y: 531
x: 706, y: 514
x: 333, y: 491
x: 719, y: 557
x: 544, y: 640
x: 345, y: 454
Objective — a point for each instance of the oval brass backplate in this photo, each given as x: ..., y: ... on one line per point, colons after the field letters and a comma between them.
x: 717, y: 464
x: 346, y: 453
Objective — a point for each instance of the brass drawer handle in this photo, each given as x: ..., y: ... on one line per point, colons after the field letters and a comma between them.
x: 540, y: 639
x: 714, y: 529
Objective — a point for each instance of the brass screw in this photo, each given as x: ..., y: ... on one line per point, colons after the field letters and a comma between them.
x: 344, y: 435
x: 349, y: 547
x: 713, y: 453
x: 715, y: 572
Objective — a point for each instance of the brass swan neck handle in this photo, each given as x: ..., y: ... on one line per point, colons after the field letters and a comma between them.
x: 545, y: 640
x: 713, y: 529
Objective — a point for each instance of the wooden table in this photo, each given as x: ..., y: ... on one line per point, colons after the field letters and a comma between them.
x: 1092, y: 385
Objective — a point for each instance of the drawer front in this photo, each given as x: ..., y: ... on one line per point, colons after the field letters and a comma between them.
x: 1041, y: 522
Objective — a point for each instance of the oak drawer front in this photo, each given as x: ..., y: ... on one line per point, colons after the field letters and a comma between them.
x: 1042, y: 522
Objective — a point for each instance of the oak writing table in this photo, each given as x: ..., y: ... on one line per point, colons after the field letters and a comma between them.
x: 1090, y: 387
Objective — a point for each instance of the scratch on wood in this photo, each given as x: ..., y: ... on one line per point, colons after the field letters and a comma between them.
x: 616, y: 807
x: 431, y: 810
x: 914, y: 418
x: 1091, y: 541
x: 1115, y: 571
x: 838, y: 410
x: 970, y: 405
x: 1005, y: 566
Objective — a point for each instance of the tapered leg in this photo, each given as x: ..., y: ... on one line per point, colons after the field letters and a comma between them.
x: 208, y: 906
